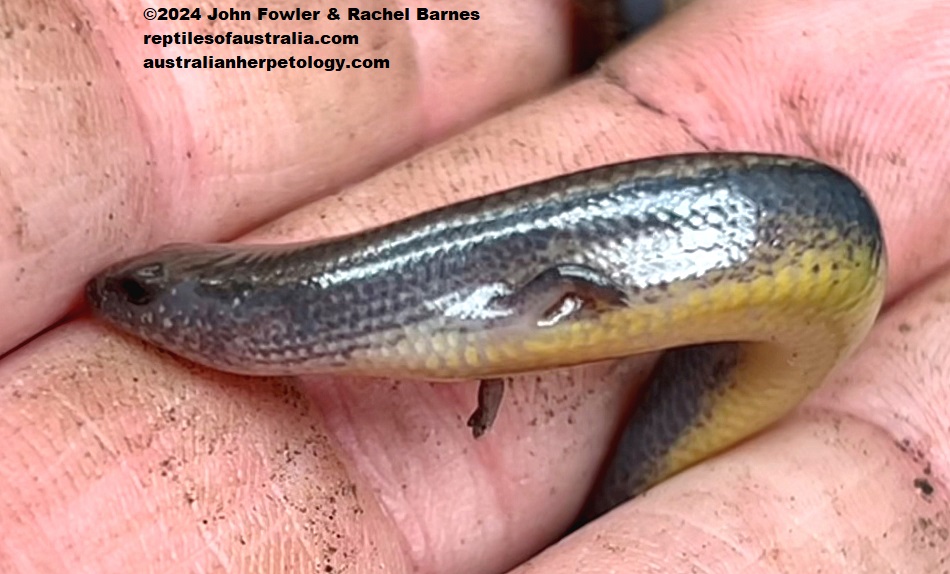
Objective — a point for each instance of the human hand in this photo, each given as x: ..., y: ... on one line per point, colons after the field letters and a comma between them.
x: 209, y: 470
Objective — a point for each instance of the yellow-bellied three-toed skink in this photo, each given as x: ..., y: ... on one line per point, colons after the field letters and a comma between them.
x: 761, y: 272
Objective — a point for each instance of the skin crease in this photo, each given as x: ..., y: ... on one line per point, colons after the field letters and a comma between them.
x: 117, y: 455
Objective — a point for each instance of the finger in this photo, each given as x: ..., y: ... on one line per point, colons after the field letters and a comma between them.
x: 118, y: 459
x: 105, y: 158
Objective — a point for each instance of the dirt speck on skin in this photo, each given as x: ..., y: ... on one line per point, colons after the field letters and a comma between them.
x: 932, y: 532
x: 896, y: 159
x: 924, y: 486
x: 926, y: 483
x: 907, y: 446
x: 20, y: 227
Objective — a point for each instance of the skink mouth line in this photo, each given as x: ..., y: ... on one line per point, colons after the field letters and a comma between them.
x: 760, y: 272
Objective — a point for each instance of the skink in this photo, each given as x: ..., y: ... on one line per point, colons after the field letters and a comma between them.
x: 760, y: 273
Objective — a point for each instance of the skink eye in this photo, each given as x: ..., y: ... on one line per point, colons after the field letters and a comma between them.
x: 135, y: 291
x: 140, y: 286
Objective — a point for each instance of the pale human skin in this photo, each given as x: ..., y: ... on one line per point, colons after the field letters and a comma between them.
x: 119, y: 458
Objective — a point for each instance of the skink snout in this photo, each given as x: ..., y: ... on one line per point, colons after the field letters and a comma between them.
x: 137, y: 286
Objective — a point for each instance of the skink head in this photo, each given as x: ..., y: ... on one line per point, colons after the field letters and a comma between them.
x: 132, y: 289
x: 135, y: 287
x: 183, y: 298
x: 139, y: 292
